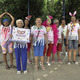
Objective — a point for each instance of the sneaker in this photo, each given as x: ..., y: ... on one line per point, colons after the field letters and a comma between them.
x: 66, y: 53
x: 40, y: 63
x: 53, y: 61
x: 60, y: 61
x: 28, y: 61
x: 25, y: 72
x: 48, y: 63
x: 69, y: 63
x: 75, y: 62
x: 36, y: 68
x: 60, y: 53
x: 18, y: 72
x: 42, y: 67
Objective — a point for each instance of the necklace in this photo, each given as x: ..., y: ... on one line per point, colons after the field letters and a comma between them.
x: 63, y: 26
x: 72, y: 26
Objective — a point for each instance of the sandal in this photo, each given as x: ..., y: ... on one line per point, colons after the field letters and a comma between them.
x: 7, y: 67
x: 42, y: 67
x: 36, y: 68
x: 12, y: 66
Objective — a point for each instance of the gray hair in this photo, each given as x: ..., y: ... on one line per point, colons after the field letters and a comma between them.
x: 55, y: 20
x: 19, y: 20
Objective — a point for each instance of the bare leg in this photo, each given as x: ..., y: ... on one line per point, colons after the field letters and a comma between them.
x: 36, y: 63
x: 66, y: 48
x: 58, y: 55
x: 42, y: 65
x: 74, y: 54
x: 48, y: 59
x: 42, y: 59
x: 11, y: 58
x: 36, y: 60
x: 69, y: 55
x: 28, y: 54
x: 5, y: 58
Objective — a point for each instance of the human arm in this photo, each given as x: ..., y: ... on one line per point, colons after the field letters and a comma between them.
x: 12, y: 22
x: 2, y: 16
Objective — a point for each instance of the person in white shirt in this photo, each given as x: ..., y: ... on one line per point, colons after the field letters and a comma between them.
x: 38, y: 40
x: 60, y: 40
x: 73, y: 37
x: 64, y: 31
x: 6, y: 45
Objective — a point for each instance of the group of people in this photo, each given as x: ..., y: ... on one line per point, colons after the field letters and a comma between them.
x: 45, y: 38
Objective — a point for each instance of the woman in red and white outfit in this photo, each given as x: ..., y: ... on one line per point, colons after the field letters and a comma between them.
x: 27, y: 26
x: 52, y: 38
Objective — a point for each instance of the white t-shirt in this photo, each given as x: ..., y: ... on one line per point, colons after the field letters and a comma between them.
x: 5, y: 33
x: 40, y: 39
x: 73, y: 32
x: 50, y: 36
x: 60, y: 31
x: 64, y: 31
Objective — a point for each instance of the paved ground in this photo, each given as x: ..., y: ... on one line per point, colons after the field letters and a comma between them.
x: 56, y: 71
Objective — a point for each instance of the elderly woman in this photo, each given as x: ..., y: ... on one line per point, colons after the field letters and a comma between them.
x: 27, y: 26
x: 38, y: 37
x: 20, y: 51
x: 60, y: 40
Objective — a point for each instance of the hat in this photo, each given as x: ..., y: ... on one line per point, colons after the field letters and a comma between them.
x: 75, y: 12
x: 28, y: 17
x: 49, y: 18
x: 5, y: 20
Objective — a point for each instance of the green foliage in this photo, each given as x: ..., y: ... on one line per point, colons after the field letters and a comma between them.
x: 39, y: 8
x: 19, y: 8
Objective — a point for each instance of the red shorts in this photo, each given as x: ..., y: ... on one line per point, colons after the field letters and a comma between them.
x: 59, y: 47
x: 29, y: 45
x: 50, y: 46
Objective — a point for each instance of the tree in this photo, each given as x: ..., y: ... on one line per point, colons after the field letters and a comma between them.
x: 19, y: 8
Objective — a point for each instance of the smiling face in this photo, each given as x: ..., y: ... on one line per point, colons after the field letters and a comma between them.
x: 6, y: 23
x: 19, y: 24
x: 38, y: 21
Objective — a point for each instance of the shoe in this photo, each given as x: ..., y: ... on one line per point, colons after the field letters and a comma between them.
x: 53, y: 61
x: 36, y: 68
x: 28, y: 61
x: 60, y: 61
x: 18, y: 72
x: 40, y: 63
x: 25, y: 72
x: 42, y: 66
x: 69, y: 63
x: 48, y: 63
x: 60, y: 53
x: 66, y: 53
x: 75, y: 62
x: 7, y: 67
